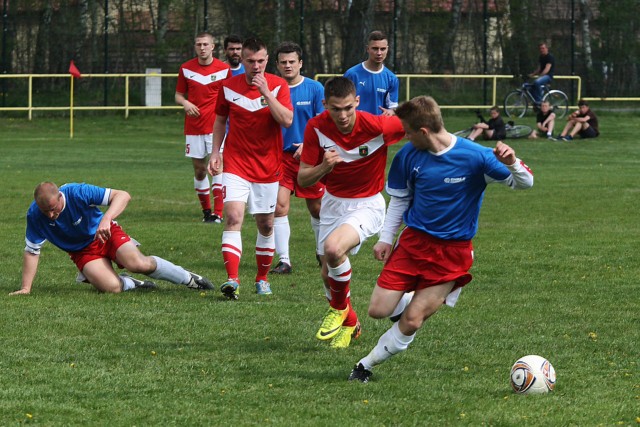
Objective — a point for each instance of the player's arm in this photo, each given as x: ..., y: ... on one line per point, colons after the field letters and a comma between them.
x: 29, y: 269
x: 279, y: 112
x: 190, y: 109
x: 521, y: 176
x: 215, y: 159
x: 118, y: 201
x: 309, y: 175
x: 392, y: 222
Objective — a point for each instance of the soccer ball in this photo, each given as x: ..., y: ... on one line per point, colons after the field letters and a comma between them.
x: 532, y: 375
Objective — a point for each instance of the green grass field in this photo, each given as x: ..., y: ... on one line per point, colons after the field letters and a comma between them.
x: 556, y: 274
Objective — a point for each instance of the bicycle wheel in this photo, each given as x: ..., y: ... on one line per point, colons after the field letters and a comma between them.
x: 518, y: 131
x: 515, y: 104
x: 558, y: 101
x: 463, y: 133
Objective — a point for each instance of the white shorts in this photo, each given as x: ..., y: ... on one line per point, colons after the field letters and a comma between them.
x: 260, y: 198
x: 365, y: 215
x: 198, y: 146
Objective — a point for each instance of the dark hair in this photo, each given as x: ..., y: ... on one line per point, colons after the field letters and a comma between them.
x: 495, y: 108
x: 253, y: 44
x: 376, y: 36
x: 421, y: 112
x: 582, y: 102
x: 339, y: 87
x: 231, y: 38
x: 289, y: 47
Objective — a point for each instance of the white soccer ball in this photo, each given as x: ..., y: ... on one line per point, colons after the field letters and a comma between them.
x: 532, y: 375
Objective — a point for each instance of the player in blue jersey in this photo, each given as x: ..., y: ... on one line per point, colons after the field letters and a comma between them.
x: 436, y: 184
x: 70, y: 219
x: 232, y: 49
x: 376, y: 85
x: 306, y: 97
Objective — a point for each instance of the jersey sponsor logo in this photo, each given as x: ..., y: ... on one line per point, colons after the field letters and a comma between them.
x: 77, y: 222
x: 455, y: 180
x: 381, y: 89
x: 303, y: 103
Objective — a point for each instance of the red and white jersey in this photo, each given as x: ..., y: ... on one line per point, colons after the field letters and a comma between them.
x: 253, y: 147
x: 200, y: 84
x: 363, y: 151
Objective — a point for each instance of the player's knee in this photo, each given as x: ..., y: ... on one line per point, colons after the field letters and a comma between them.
x: 140, y: 264
x: 378, y: 312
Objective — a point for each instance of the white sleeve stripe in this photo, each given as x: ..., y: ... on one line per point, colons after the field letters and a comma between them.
x: 105, y: 199
x: 33, y: 248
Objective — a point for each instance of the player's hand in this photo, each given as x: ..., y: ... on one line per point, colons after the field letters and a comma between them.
x: 298, y: 152
x: 191, y: 110
x: 103, y: 233
x: 260, y: 82
x: 214, y: 167
x: 504, y: 153
x: 387, y: 111
x: 20, y: 292
x: 330, y: 159
x: 381, y: 251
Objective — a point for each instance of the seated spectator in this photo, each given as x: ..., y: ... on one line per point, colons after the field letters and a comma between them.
x: 583, y: 122
x: 545, y: 122
x: 493, y: 129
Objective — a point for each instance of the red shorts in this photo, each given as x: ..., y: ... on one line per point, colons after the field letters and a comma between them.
x: 97, y: 250
x: 290, y: 179
x: 420, y: 260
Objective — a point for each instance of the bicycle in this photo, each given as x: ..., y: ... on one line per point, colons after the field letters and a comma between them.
x: 517, y: 102
x: 513, y: 130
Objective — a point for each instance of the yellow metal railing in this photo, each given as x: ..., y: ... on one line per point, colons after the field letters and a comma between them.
x: 407, y: 78
x: 406, y: 82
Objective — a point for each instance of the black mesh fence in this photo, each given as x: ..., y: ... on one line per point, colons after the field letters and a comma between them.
x: 596, y: 40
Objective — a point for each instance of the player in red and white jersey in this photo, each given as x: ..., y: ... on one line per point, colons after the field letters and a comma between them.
x: 348, y: 152
x: 197, y: 91
x: 257, y: 105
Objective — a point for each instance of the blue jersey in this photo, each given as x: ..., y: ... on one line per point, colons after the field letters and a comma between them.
x: 306, y: 98
x: 375, y: 88
x: 239, y: 70
x: 76, y: 226
x: 446, y: 187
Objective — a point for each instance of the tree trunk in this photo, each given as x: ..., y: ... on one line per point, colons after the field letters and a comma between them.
x: 358, y: 25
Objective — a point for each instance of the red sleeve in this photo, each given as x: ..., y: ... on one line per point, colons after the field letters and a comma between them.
x: 181, y: 84
x: 284, y: 96
x: 311, y: 147
x: 392, y: 130
x: 222, y: 106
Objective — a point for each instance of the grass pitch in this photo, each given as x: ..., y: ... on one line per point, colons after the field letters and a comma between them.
x: 555, y: 274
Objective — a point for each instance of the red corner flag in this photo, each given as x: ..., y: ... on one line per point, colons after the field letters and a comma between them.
x: 73, y: 70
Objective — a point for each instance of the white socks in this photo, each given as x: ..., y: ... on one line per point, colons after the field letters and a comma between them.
x: 166, y: 270
x: 127, y: 283
x: 282, y: 233
x: 402, y: 304
x: 390, y: 343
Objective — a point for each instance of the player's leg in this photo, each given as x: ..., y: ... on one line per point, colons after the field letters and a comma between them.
x: 262, y: 204
x: 218, y: 200
x: 475, y: 133
x: 100, y: 273
x: 340, y: 314
x: 282, y: 231
x: 313, y: 206
x: 129, y: 256
x: 236, y: 193
x: 198, y: 147
x: 424, y: 304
